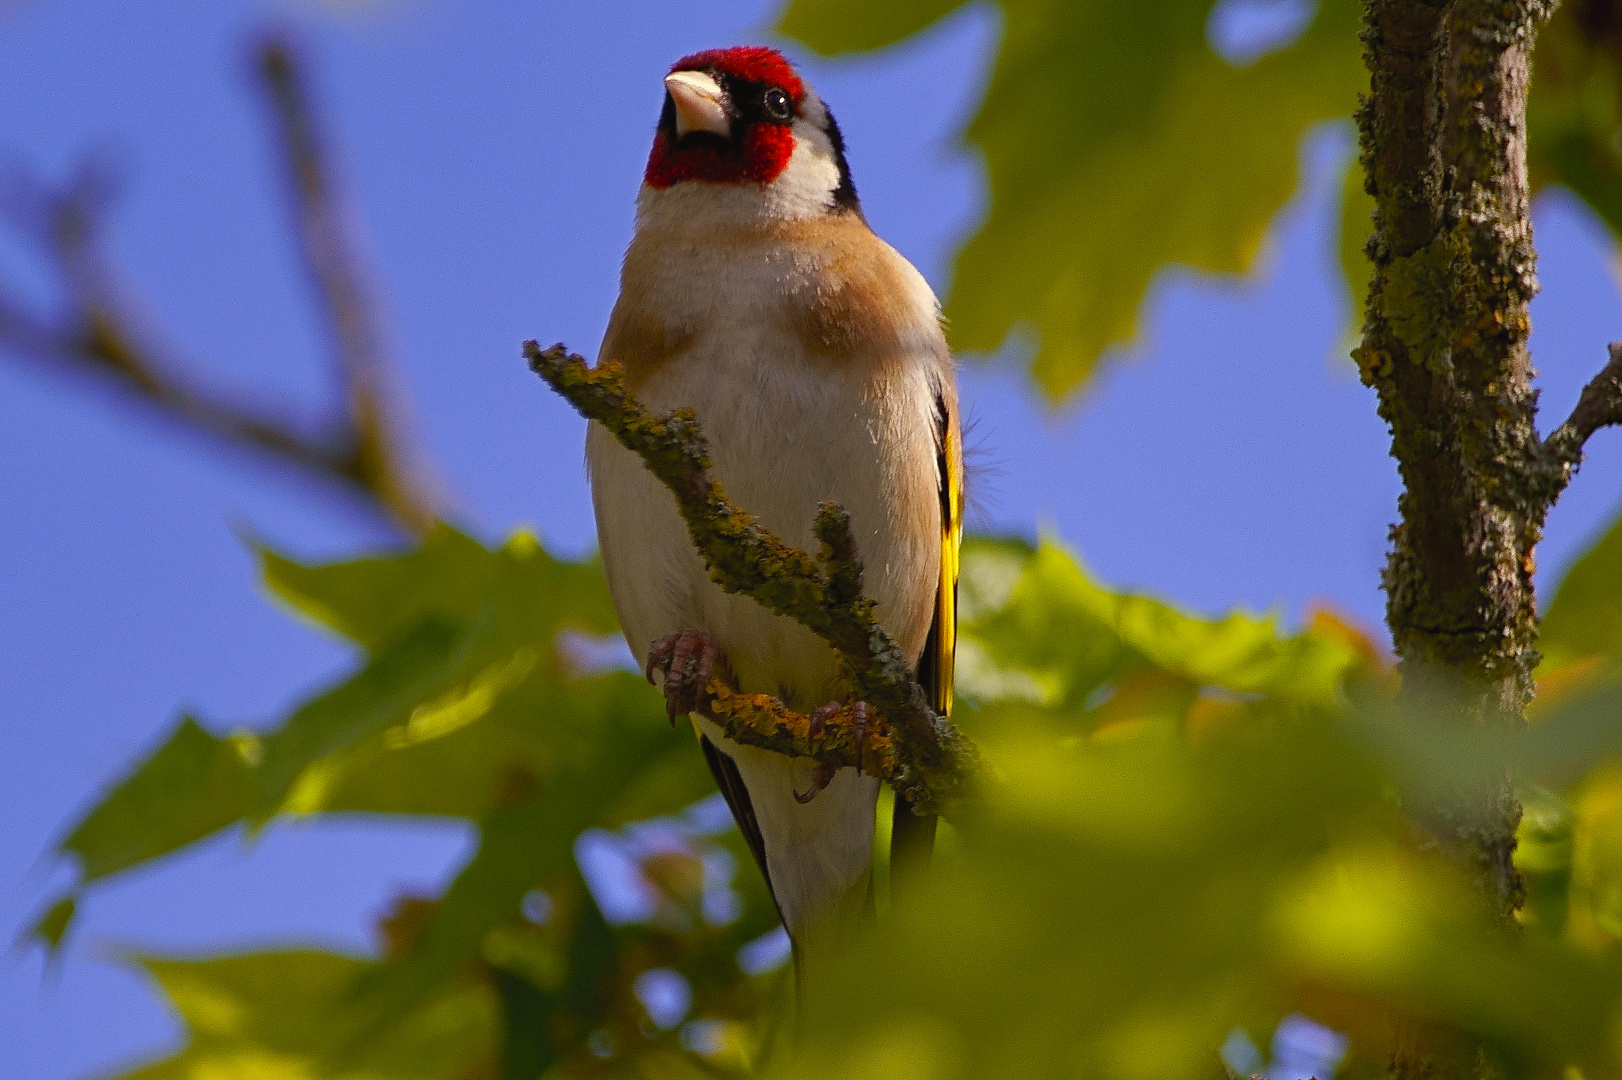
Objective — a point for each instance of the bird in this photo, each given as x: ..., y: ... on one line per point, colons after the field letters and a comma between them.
x: 755, y: 293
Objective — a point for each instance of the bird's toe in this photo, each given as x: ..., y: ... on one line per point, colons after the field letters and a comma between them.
x: 688, y: 659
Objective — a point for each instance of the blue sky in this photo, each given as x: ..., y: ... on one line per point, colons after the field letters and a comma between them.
x: 494, y: 149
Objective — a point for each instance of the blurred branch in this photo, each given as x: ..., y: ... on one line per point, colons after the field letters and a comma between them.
x: 379, y: 449
x: 360, y: 448
x: 926, y: 759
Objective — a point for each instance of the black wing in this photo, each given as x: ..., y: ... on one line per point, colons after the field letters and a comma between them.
x: 728, y: 779
x: 912, y: 836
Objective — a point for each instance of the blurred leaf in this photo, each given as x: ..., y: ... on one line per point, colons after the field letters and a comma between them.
x: 1585, y: 617
x: 1177, y: 157
x: 570, y: 988
x: 374, y: 599
x: 1127, y: 903
x: 1356, y: 225
x: 197, y: 784
x: 193, y: 785
x: 1378, y: 923
x: 465, y: 705
x: 1117, y: 142
x: 51, y: 927
x: 1436, y: 754
x: 1595, y: 911
x: 1543, y: 855
x: 551, y: 1017
x: 600, y: 740
x: 1036, y: 626
x: 1574, y: 112
x: 1204, y: 874
x: 1111, y: 917
x: 830, y: 27
x: 278, y: 1016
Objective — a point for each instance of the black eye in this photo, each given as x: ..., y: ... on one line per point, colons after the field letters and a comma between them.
x: 778, y: 105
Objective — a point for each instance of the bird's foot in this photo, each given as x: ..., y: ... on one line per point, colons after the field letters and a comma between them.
x: 688, y: 659
x: 821, y: 776
x: 819, y: 723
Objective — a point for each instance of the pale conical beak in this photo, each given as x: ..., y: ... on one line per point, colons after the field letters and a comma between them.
x: 699, y: 103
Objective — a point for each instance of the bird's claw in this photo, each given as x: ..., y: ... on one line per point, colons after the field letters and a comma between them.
x: 688, y: 659
x: 820, y: 778
x: 820, y: 717
x: 858, y: 723
x: 814, y: 730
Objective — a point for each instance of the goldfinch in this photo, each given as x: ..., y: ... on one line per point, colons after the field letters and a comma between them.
x: 754, y: 293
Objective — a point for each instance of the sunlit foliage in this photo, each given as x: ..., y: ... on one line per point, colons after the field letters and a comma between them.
x: 1198, y: 830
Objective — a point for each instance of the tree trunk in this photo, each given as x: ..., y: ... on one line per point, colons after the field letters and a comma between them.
x: 1443, y: 137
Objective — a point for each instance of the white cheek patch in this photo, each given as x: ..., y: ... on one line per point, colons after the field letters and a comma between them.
x: 806, y: 186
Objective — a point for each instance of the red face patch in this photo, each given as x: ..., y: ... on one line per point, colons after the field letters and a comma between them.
x: 762, y: 157
x: 763, y: 149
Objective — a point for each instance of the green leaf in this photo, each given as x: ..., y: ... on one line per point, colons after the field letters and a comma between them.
x: 1116, y: 142
x: 450, y: 579
x: 1585, y: 617
x: 51, y: 927
x: 1440, y: 761
x: 193, y: 785
x: 830, y: 27
x: 1543, y: 855
x: 552, y: 993
x: 1143, y: 859
x: 1051, y: 635
x: 374, y: 599
x: 279, y: 1015
x: 1384, y: 927
x: 1220, y: 885
x: 427, y: 684
x: 600, y: 749
x: 424, y: 677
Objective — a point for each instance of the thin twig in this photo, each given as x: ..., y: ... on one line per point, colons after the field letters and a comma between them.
x: 936, y: 767
x: 1600, y: 405
x: 359, y: 449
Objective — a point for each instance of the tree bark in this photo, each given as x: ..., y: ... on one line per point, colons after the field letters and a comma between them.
x: 1443, y: 140
x: 1443, y: 135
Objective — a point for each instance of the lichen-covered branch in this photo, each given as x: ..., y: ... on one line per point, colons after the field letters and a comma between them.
x: 934, y: 765
x: 761, y: 720
x: 359, y: 447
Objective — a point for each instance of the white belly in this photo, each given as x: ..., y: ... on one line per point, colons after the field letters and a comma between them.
x: 781, y: 443
x: 783, y: 438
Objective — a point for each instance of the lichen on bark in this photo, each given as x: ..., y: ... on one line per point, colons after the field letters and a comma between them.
x: 1443, y: 139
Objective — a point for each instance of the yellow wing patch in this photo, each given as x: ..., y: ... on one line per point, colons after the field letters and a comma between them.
x: 935, y: 667
x: 951, y: 545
